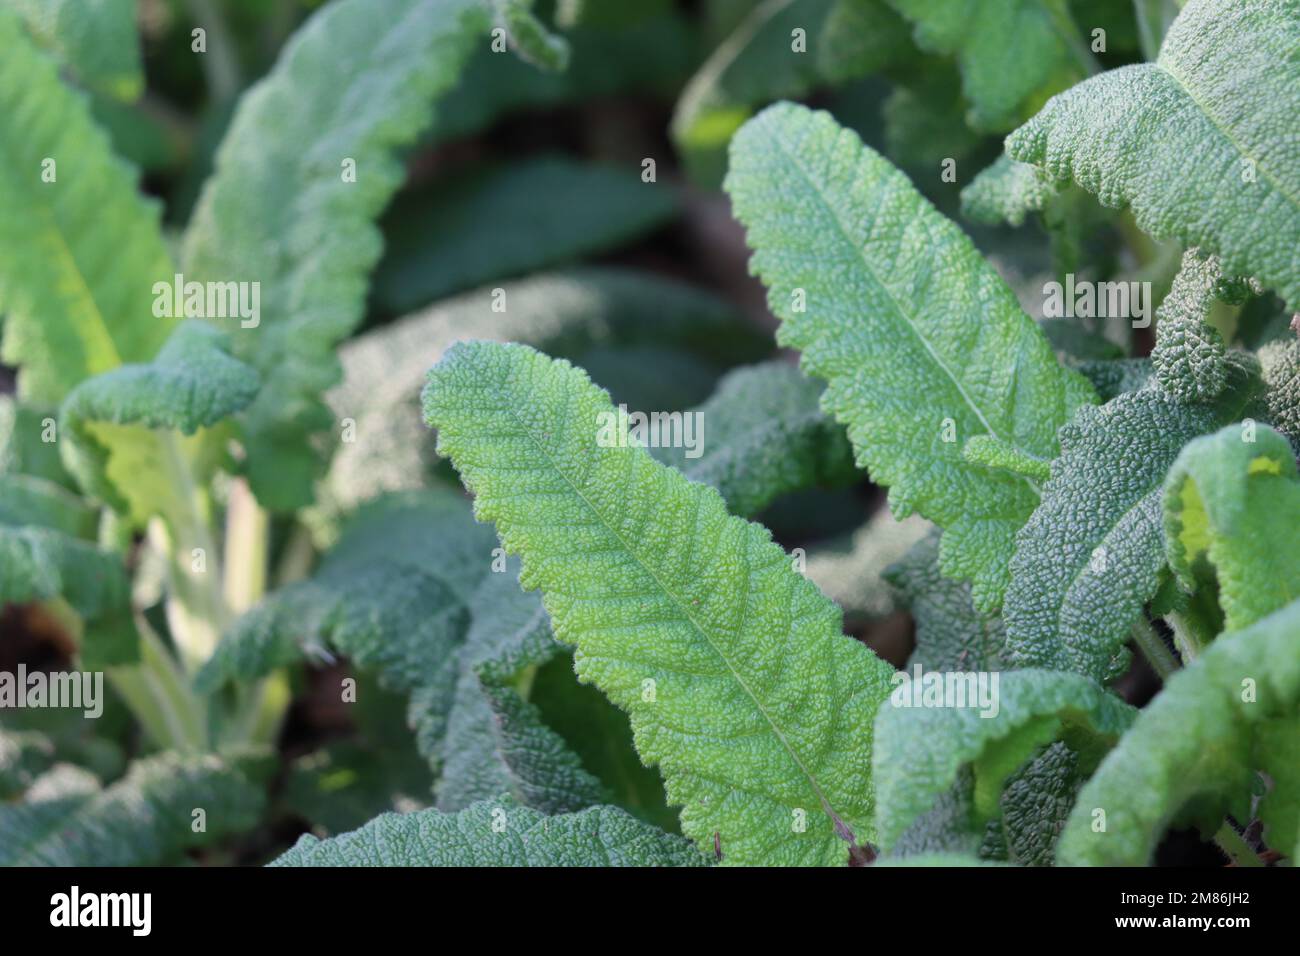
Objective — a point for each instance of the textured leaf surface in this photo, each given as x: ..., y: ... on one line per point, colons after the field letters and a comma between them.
x: 571, y: 314
x: 512, y: 221
x: 763, y: 434
x: 1280, y: 364
x: 850, y: 571
x: 1197, y: 142
x: 950, y: 634
x: 759, y: 706
x: 77, y: 301
x: 1236, y: 503
x: 1011, y: 52
x: 113, y: 447
x: 921, y: 750
x: 758, y: 63
x: 355, y: 83
x: 95, y: 39
x: 1088, y: 559
x: 900, y: 304
x: 145, y: 818
x: 498, y: 833
x: 1007, y: 192
x: 1188, y: 757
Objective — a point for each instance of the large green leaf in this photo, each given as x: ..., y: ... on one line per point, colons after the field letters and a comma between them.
x: 731, y: 666
x: 77, y: 299
x: 147, y: 817
x: 921, y: 750
x: 497, y: 833
x: 1089, y: 557
x: 1196, y: 142
x: 888, y: 301
x: 1192, y: 753
x: 352, y: 86
x: 1233, y: 499
x: 760, y: 435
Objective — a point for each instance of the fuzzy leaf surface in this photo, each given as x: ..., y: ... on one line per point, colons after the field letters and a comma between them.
x: 651, y: 579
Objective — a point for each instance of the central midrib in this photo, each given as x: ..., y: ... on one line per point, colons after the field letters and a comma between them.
x: 685, y: 612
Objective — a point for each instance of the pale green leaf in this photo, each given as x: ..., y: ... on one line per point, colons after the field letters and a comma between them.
x: 1233, y: 499
x: 900, y: 307
x: 759, y: 706
x: 920, y: 750
x: 77, y: 301
x: 1007, y: 192
x: 1190, y: 755
x: 497, y: 833
x: 1196, y: 143
x: 528, y: 36
x: 355, y: 83
x: 851, y: 571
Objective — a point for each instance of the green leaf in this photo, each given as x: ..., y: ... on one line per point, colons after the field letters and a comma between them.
x: 1280, y: 364
x: 95, y: 39
x: 497, y: 833
x: 512, y: 221
x: 28, y: 443
x: 1007, y: 192
x: 1113, y: 377
x: 77, y: 301
x: 951, y: 635
x: 1233, y: 499
x: 1089, y: 557
x: 922, y: 749
x: 355, y: 83
x: 528, y: 37
x: 392, y: 594
x: 899, y: 304
x: 145, y: 818
x: 924, y: 118
x: 1189, y: 358
x: 758, y: 63
x: 1193, y: 142
x: 647, y: 574
x: 572, y: 314
x: 762, y: 434
x: 1012, y: 53
x: 115, y: 422
x: 24, y: 756
x: 1190, y: 756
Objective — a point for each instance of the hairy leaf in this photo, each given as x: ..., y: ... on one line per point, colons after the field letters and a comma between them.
x: 1088, y: 559
x: 511, y: 221
x: 77, y: 301
x: 1195, y: 143
x: 1007, y: 192
x: 1280, y: 364
x: 688, y: 618
x: 114, y: 447
x: 497, y: 833
x: 353, y: 85
x: 144, y: 818
x: 95, y: 39
x: 1190, y: 756
x: 888, y: 301
x: 1233, y: 499
x: 920, y: 750
x: 763, y: 433
x: 1012, y: 53
x: 759, y: 62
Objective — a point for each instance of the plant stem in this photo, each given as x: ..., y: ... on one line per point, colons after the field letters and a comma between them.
x: 159, y: 695
x: 1153, y: 649
x: 1232, y: 845
x: 220, y: 65
x: 247, y: 531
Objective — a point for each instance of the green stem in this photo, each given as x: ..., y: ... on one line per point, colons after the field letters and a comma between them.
x: 220, y: 65
x: 1153, y: 649
x: 247, y: 533
x: 1069, y: 32
x: 1232, y: 845
x: 159, y: 695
